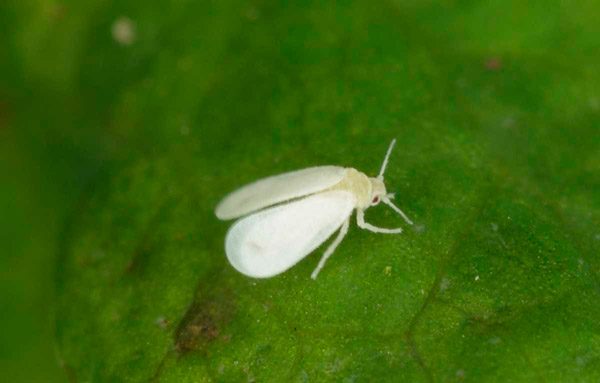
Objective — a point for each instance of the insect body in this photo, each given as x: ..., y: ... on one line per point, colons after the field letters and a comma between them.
x: 310, y: 205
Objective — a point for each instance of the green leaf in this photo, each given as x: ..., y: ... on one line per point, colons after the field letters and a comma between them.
x: 496, y: 109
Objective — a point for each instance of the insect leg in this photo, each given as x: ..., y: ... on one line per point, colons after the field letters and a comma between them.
x: 360, y: 221
x: 331, y: 248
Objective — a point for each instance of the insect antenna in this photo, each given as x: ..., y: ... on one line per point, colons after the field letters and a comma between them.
x: 385, y: 160
x: 386, y: 200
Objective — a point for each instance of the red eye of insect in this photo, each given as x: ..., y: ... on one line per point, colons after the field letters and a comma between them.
x: 376, y: 199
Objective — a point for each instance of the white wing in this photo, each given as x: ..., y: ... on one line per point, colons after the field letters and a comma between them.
x: 269, y: 191
x: 269, y: 242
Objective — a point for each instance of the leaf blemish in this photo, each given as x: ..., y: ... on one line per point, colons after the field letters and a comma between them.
x: 161, y: 322
x: 204, y: 321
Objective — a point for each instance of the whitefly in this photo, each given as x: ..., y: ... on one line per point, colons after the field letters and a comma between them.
x: 287, y: 216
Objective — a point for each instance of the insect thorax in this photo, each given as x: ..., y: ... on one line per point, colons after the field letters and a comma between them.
x: 358, y: 184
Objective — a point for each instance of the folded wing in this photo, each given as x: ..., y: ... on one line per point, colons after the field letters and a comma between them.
x: 271, y: 241
x: 272, y: 190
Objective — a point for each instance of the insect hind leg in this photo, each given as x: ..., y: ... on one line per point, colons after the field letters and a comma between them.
x: 331, y: 248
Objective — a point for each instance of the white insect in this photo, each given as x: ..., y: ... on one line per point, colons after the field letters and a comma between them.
x: 319, y: 200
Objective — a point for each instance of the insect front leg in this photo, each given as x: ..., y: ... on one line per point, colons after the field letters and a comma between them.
x: 360, y: 221
x: 332, y: 247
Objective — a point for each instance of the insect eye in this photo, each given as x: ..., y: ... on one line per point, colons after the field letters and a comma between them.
x: 376, y: 200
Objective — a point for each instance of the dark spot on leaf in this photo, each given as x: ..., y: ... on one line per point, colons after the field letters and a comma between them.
x: 493, y: 64
x: 138, y: 260
x: 208, y: 315
x: 149, y: 243
x: 70, y: 372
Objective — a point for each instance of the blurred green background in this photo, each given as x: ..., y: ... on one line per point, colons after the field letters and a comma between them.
x: 123, y: 123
